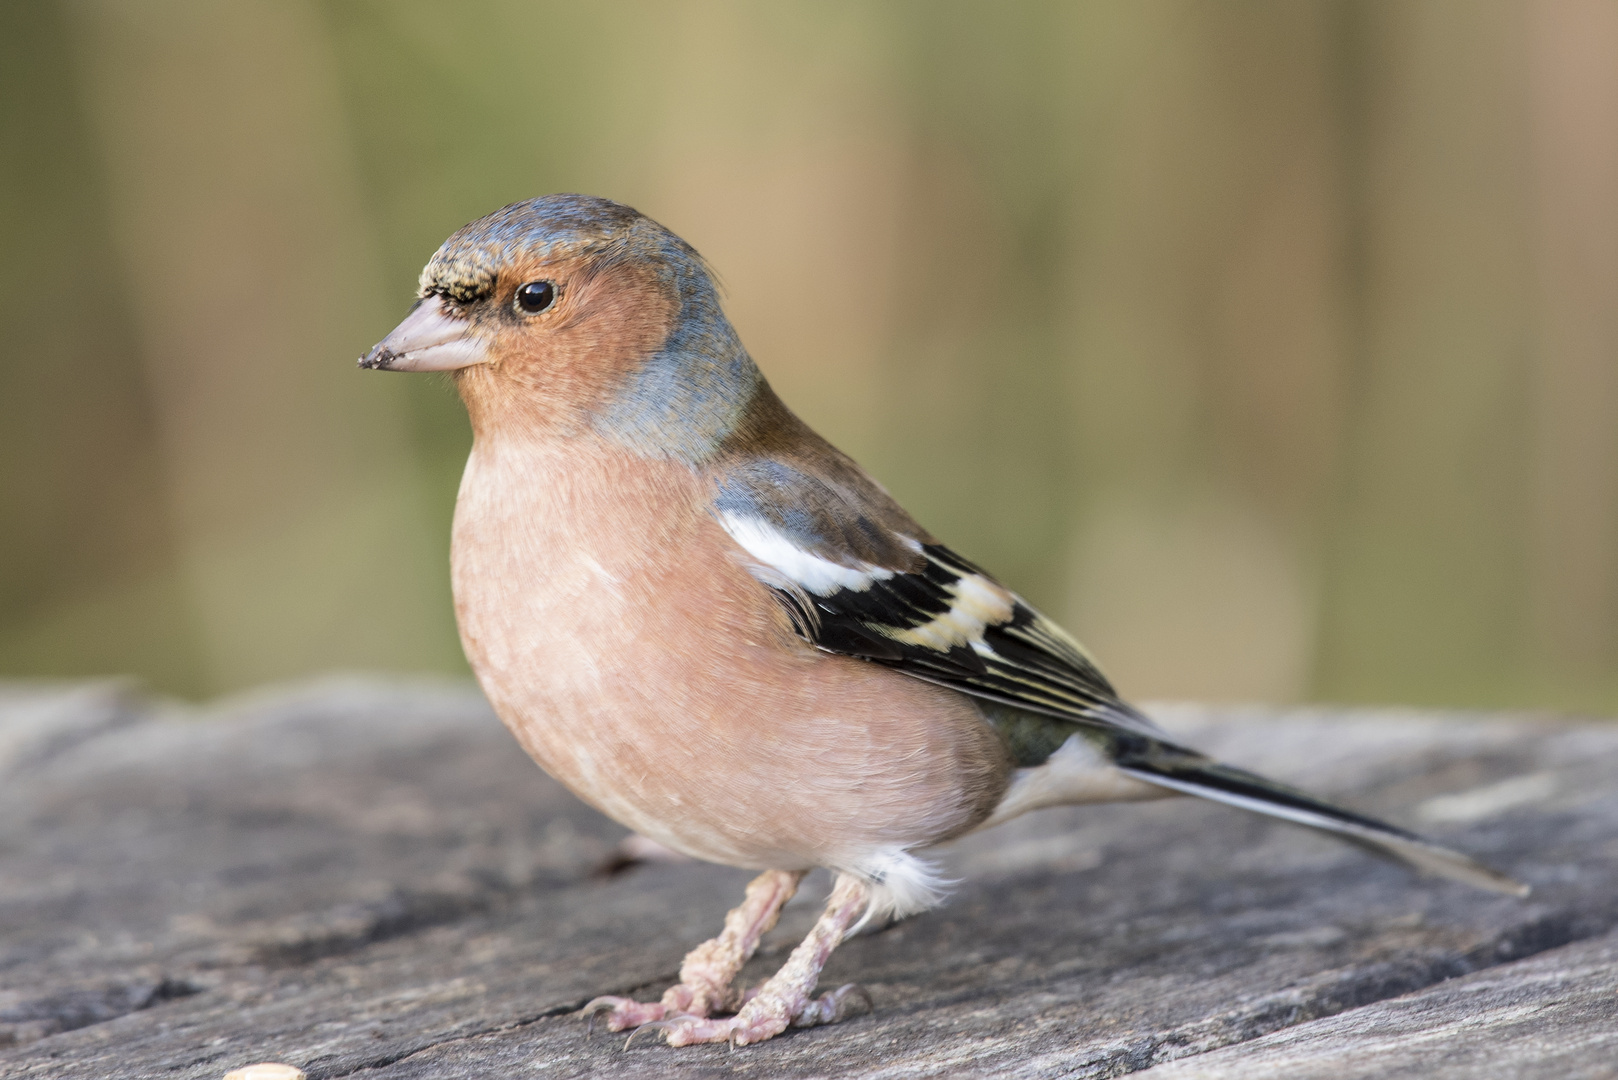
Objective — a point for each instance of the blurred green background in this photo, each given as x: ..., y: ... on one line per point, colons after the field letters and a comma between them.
x: 1273, y: 346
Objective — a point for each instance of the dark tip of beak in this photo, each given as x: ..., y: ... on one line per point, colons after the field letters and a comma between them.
x: 377, y: 359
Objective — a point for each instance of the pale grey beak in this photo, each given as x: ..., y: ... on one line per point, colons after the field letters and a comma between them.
x: 429, y: 339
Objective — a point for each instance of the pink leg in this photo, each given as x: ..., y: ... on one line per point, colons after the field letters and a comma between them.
x: 786, y: 999
x: 709, y: 969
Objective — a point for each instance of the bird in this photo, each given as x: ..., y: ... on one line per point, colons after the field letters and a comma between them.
x: 717, y: 629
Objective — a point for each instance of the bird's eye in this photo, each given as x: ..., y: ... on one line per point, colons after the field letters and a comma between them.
x: 535, y: 296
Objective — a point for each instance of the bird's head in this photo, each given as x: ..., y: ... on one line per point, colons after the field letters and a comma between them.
x: 572, y: 312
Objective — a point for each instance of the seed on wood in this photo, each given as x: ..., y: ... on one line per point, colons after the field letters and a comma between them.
x: 266, y: 1070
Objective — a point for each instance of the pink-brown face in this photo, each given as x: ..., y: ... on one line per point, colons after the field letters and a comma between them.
x: 549, y: 337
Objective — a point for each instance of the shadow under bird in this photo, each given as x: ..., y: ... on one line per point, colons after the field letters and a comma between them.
x: 714, y: 627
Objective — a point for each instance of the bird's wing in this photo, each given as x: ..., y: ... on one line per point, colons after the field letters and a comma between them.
x: 860, y: 578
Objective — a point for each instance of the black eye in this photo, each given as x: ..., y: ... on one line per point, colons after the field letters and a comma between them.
x: 535, y: 296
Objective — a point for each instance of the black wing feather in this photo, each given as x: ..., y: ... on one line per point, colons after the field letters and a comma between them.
x: 1029, y: 662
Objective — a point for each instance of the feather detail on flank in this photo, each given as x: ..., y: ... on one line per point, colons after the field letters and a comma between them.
x: 901, y: 885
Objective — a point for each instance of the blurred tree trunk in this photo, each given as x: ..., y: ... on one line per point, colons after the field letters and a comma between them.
x: 89, y: 579
x: 246, y: 262
x: 1423, y: 600
x: 1573, y: 398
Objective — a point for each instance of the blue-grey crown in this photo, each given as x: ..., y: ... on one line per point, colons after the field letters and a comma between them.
x: 693, y: 390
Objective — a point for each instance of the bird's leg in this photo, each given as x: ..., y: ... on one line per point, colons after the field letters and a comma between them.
x: 787, y: 998
x: 708, y: 970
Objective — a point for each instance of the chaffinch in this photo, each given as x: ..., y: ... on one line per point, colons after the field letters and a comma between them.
x: 714, y: 627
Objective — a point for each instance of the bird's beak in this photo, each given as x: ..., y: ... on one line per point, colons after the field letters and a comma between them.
x: 429, y: 339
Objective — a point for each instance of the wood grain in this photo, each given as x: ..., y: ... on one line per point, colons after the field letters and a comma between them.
x: 370, y: 879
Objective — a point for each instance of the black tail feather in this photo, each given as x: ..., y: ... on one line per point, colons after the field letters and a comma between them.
x: 1182, y: 770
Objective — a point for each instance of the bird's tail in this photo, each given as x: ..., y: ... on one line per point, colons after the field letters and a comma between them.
x: 1182, y: 770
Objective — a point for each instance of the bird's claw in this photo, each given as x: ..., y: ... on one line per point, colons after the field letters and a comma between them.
x: 622, y: 1013
x: 660, y: 1025
x: 832, y: 1007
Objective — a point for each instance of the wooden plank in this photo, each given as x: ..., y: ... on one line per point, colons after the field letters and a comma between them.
x: 1554, y: 1016
x: 367, y: 876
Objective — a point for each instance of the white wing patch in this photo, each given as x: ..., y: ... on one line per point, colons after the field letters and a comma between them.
x: 976, y: 602
x: 977, y: 605
x: 808, y: 571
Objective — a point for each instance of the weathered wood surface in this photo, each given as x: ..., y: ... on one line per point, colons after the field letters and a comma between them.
x: 371, y: 880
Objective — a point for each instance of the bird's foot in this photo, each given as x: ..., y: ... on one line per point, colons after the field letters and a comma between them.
x: 787, y: 999
x: 709, y: 969
x: 764, y: 1016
